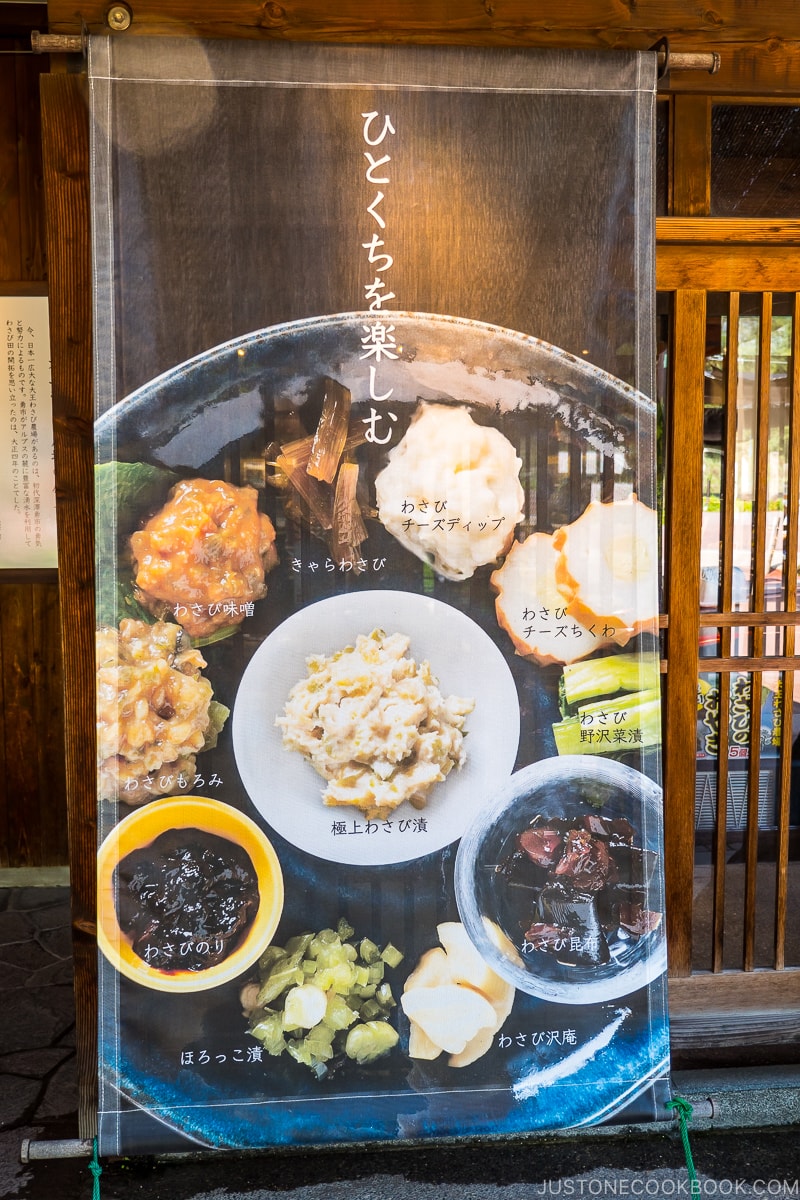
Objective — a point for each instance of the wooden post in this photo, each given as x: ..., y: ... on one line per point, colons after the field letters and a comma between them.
x: 684, y: 506
x: 65, y: 139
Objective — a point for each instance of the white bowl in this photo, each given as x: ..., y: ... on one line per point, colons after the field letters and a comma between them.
x: 286, y: 789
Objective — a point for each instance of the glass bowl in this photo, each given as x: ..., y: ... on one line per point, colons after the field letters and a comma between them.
x: 592, y: 928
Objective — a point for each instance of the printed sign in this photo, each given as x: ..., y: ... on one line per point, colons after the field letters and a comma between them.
x: 27, y: 481
x: 378, y: 669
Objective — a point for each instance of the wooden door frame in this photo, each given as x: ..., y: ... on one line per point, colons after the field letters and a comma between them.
x: 694, y: 257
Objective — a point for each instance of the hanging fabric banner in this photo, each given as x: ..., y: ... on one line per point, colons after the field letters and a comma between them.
x: 377, y: 593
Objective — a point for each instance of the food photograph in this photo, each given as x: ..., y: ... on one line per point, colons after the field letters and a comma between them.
x: 443, y: 741
x: 377, y: 602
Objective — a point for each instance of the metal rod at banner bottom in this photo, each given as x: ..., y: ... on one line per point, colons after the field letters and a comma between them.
x: 32, y: 1150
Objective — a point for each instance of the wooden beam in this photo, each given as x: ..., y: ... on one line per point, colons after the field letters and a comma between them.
x: 592, y: 22
x: 762, y: 1027
x: 727, y: 268
x: 734, y: 991
x: 726, y: 231
x: 65, y: 130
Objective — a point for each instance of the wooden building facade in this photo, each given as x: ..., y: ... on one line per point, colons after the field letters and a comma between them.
x: 728, y: 278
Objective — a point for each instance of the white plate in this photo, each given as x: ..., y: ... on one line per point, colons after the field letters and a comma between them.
x: 286, y: 789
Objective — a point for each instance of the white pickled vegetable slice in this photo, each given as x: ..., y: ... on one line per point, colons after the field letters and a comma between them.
x: 464, y: 963
x: 420, y: 1045
x: 450, y: 1015
x: 431, y: 970
x: 473, y: 1050
x: 607, y: 568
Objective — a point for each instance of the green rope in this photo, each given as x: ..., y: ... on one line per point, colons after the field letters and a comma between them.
x: 684, y: 1112
x: 97, y: 1171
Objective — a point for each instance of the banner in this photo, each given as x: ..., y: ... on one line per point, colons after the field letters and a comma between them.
x: 377, y: 593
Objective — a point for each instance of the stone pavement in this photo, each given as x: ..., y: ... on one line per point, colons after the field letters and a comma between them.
x: 37, y: 1010
x: 750, y: 1148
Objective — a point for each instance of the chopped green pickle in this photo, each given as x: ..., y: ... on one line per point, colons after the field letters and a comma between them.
x: 369, y: 951
x: 384, y: 996
x: 271, y: 955
x: 391, y: 956
x: 323, y: 996
x: 376, y: 970
x: 299, y: 945
x: 339, y: 1014
x: 269, y: 1031
x: 372, y: 1040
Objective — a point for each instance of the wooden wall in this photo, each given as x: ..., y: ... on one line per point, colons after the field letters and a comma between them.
x: 33, y: 808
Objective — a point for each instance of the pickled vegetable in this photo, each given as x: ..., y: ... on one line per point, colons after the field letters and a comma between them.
x: 371, y: 1040
x: 331, y: 434
x: 322, y: 998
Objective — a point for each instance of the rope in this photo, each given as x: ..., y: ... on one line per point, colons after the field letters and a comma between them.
x: 97, y: 1171
x: 684, y: 1112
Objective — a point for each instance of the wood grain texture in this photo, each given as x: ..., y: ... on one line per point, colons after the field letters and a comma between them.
x: 759, y: 47
x: 28, y: 71
x: 757, y: 635
x: 32, y: 790
x: 745, y: 620
x: 764, y: 1027
x: 691, y: 161
x: 790, y: 602
x: 10, y: 234
x: 733, y: 991
x: 21, y: 209
x: 707, y: 231
x: 728, y: 268
x: 32, y: 786
x: 48, y: 675
x: 739, y: 663
x: 684, y: 502
x: 66, y: 166
x: 592, y: 22
x: 21, y: 774
x: 728, y: 519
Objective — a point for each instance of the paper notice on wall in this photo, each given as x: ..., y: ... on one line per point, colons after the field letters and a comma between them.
x: 27, y: 480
